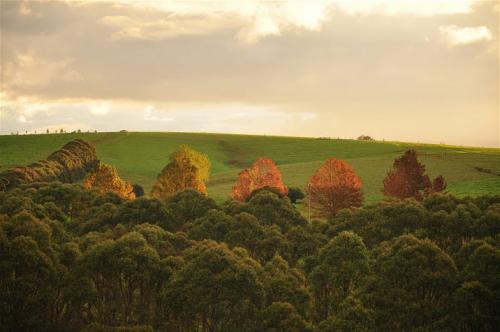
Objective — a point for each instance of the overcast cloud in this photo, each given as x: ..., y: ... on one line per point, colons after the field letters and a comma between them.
x: 400, y: 70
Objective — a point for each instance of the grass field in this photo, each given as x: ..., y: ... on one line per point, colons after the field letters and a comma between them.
x: 140, y: 156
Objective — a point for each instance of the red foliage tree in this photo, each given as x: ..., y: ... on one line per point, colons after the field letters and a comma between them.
x: 439, y: 184
x: 263, y: 173
x: 333, y: 187
x: 408, y: 179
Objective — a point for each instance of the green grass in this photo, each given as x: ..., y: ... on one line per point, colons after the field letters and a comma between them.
x: 140, y: 156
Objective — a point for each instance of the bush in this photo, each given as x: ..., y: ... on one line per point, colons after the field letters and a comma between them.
x: 295, y: 194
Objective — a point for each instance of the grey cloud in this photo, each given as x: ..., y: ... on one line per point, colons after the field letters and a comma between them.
x: 355, y: 68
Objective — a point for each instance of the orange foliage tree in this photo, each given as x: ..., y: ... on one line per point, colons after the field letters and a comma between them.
x: 188, y: 168
x: 263, y: 173
x: 333, y: 187
x: 408, y: 179
x: 106, y: 179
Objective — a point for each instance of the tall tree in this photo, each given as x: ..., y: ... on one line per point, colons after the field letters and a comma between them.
x: 412, y: 284
x: 334, y: 186
x: 187, y: 169
x: 342, y: 265
x: 105, y: 178
x: 216, y: 290
x: 408, y: 179
x: 263, y: 173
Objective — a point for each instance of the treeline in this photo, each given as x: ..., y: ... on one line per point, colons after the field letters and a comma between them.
x: 69, y: 164
x: 73, y: 259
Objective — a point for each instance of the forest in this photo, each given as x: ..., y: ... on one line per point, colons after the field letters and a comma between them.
x: 82, y: 249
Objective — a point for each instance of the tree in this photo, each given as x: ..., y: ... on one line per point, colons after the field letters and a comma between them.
x: 213, y: 225
x: 198, y: 159
x: 106, y: 179
x: 474, y: 308
x: 334, y: 186
x: 282, y: 316
x: 342, y: 265
x: 284, y: 284
x: 245, y: 231
x: 121, y: 274
x: 216, y: 290
x: 365, y: 138
x: 271, y: 209
x: 412, y: 285
x: 187, y: 169
x: 295, y: 194
x: 68, y: 164
x: 138, y: 190
x: 263, y: 173
x: 350, y: 316
x: 188, y: 205
x: 439, y: 184
x: 408, y: 179
x: 144, y: 210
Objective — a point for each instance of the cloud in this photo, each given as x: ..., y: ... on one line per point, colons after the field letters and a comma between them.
x: 307, y: 116
x: 318, y: 68
x: 25, y: 9
x: 31, y: 69
x: 171, y: 26
x: 148, y: 115
x: 257, y: 19
x: 21, y: 118
x: 465, y: 35
x: 98, y: 109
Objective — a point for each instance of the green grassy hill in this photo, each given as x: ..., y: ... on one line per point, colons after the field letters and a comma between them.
x: 139, y: 157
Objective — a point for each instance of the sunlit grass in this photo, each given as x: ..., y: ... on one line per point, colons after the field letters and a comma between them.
x: 139, y: 157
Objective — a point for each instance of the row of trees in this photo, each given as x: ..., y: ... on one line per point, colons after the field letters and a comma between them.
x: 69, y: 164
x: 74, y: 259
x: 333, y: 187
x: 55, y: 131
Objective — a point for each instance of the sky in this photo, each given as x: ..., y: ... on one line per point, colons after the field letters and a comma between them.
x: 419, y: 71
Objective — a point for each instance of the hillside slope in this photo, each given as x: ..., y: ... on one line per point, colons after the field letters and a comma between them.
x: 139, y: 157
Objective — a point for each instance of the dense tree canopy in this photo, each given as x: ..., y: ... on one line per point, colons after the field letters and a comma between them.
x: 77, y: 259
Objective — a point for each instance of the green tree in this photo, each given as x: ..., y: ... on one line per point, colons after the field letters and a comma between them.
x: 282, y: 317
x: 350, y: 316
x: 216, y: 290
x: 295, y: 194
x: 284, y: 284
x: 245, y: 231
x: 188, y: 205
x: 121, y: 273
x: 213, y: 225
x: 342, y: 266
x: 271, y: 209
x: 145, y: 210
x: 412, y: 284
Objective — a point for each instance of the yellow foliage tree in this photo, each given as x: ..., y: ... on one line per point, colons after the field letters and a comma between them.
x: 188, y: 168
x: 195, y: 158
x: 105, y: 178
